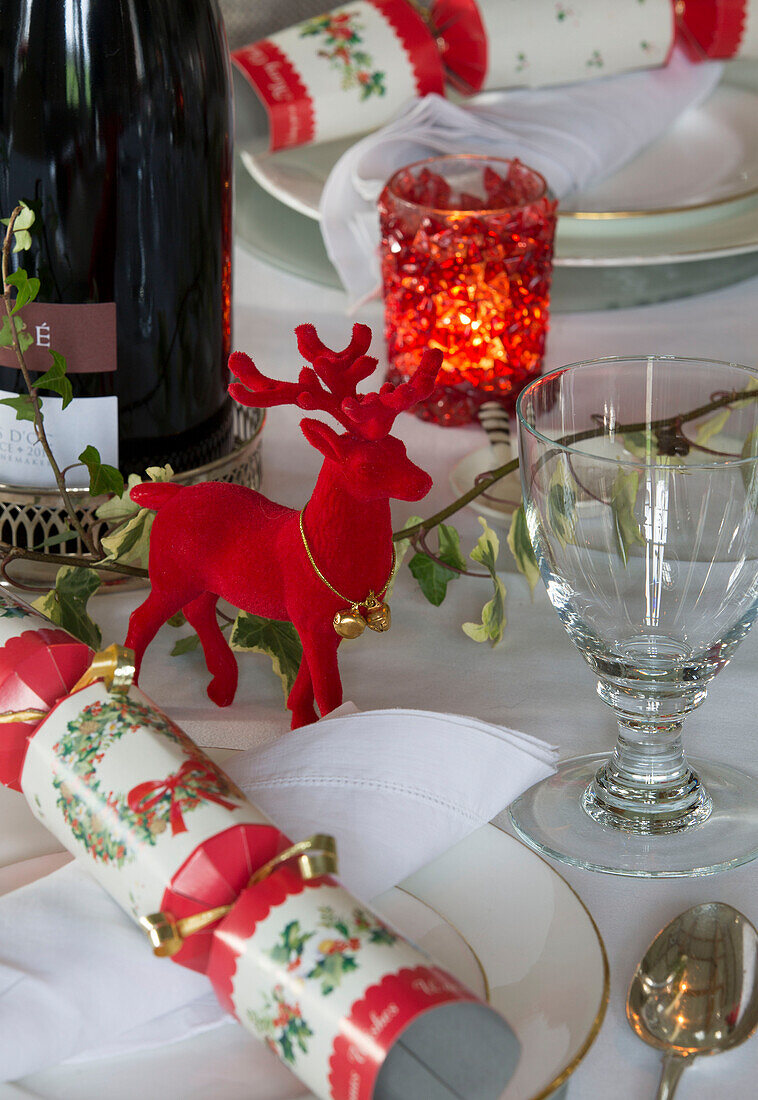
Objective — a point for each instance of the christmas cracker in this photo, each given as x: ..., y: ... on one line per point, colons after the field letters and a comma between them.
x: 341, y: 73
x: 353, y: 1008
x: 350, y: 70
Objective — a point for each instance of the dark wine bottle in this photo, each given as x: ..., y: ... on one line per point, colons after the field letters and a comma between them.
x: 116, y: 128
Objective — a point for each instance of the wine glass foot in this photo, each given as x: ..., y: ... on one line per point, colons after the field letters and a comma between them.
x: 551, y: 818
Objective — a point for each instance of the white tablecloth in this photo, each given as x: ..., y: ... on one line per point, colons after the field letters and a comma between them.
x: 535, y: 681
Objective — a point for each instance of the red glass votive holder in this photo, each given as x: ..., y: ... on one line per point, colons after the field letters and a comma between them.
x: 467, y: 250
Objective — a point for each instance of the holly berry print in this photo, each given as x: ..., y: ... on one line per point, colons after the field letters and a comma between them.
x: 13, y: 611
x: 337, y: 955
x: 334, y: 956
x: 342, y: 35
x: 281, y: 1025
x: 112, y: 824
x: 564, y: 41
x: 289, y: 950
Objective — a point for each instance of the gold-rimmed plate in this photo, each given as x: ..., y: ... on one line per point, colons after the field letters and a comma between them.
x: 709, y: 157
x: 491, y: 910
x: 537, y: 945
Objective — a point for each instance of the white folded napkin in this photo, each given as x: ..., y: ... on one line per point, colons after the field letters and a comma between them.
x: 395, y: 787
x: 574, y: 135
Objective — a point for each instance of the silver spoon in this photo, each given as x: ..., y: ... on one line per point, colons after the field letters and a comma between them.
x: 696, y: 990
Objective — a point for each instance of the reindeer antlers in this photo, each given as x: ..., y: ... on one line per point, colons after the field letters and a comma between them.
x: 373, y: 414
x: 369, y: 415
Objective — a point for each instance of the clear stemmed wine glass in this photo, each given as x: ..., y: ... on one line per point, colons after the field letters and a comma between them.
x: 640, y: 485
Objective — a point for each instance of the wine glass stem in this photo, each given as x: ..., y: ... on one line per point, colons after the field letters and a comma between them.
x: 647, y: 786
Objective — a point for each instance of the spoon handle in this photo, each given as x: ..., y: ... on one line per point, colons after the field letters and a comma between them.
x: 673, y: 1068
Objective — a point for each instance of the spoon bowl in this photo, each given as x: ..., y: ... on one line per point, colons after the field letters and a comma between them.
x: 696, y: 989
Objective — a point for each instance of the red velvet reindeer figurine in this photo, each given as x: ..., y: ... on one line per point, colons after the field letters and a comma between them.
x: 326, y: 568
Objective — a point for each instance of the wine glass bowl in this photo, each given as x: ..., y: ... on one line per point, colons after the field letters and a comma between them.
x: 640, y: 486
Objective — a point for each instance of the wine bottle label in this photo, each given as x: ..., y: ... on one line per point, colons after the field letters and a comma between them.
x: 341, y: 73
x: 86, y: 420
x: 86, y: 336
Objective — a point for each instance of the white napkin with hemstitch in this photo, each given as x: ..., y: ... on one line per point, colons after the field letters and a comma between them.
x: 574, y: 135
x: 395, y: 787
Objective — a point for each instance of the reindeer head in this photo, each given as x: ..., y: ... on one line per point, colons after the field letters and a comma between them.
x: 371, y: 462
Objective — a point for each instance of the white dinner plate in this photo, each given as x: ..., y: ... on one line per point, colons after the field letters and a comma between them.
x: 600, y: 236
x: 709, y: 156
x: 492, y: 911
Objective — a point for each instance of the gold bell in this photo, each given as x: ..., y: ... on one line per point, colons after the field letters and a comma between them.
x: 349, y: 624
x: 379, y: 617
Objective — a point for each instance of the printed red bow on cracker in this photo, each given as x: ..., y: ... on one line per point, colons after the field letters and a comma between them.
x: 194, y: 782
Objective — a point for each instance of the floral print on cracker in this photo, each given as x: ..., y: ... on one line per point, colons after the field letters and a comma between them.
x: 345, y: 50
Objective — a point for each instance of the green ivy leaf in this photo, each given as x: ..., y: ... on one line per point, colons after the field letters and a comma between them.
x: 66, y: 604
x: 750, y: 472
x: 25, y: 219
x: 55, y: 380
x: 56, y: 540
x: 129, y: 539
x: 450, y: 546
x: 521, y: 547
x: 711, y: 426
x: 185, y: 645
x: 627, y: 529
x: 130, y: 542
x: 750, y: 446
x: 561, y: 504
x: 23, y: 405
x: 487, y: 548
x: 432, y: 577
x: 21, y: 227
x: 492, y: 625
x: 25, y: 339
x: 491, y: 628
x: 26, y: 288
x: 641, y: 444
x: 102, y: 477
x: 23, y: 239
x: 118, y: 510
x: 159, y: 473
x: 177, y: 620
x: 278, y: 640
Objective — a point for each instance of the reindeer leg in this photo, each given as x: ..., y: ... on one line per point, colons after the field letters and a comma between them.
x: 320, y: 651
x: 221, y: 662
x: 146, y: 620
x: 300, y: 699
